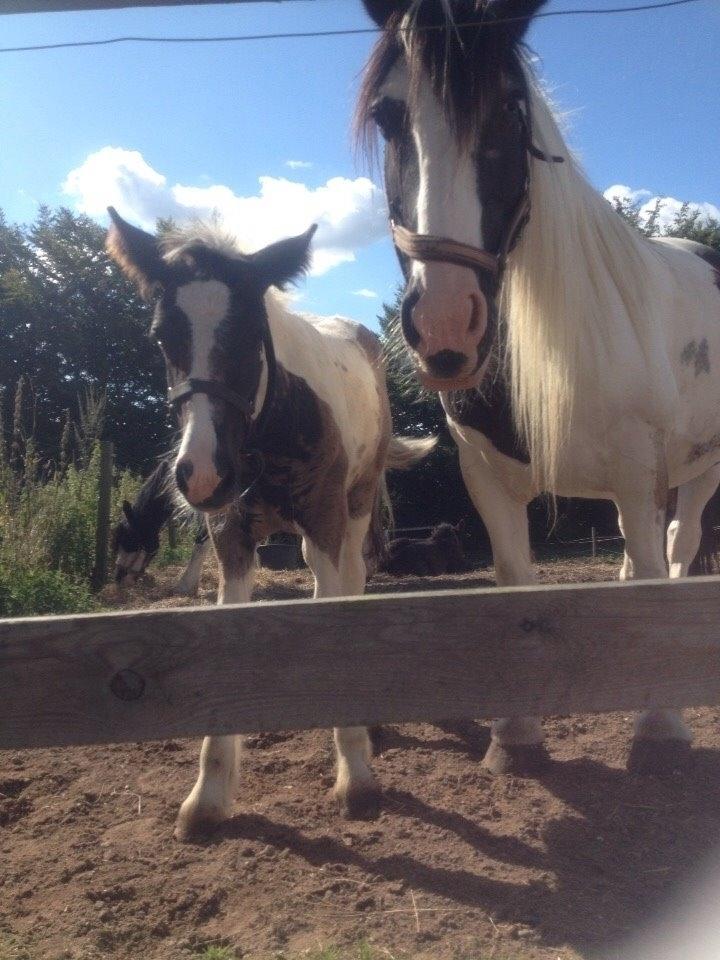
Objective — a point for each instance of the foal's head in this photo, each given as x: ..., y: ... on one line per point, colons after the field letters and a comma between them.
x: 446, y: 88
x: 212, y: 327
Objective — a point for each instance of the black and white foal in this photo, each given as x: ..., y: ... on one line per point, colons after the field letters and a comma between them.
x: 136, y: 538
x: 285, y: 427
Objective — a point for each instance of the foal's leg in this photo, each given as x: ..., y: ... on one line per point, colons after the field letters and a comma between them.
x: 661, y: 741
x: 355, y: 787
x: 211, y: 799
x: 516, y: 744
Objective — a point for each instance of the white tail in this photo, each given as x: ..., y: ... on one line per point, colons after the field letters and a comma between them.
x: 405, y: 452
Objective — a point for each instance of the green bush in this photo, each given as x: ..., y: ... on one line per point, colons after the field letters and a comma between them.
x: 36, y: 591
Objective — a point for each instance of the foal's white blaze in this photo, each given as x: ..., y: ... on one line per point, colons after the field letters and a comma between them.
x: 205, y: 303
x: 451, y: 313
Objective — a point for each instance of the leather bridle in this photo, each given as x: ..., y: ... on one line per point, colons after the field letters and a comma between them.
x: 251, y: 454
x: 428, y: 248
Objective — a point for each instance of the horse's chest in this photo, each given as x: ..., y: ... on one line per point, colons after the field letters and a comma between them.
x: 489, y: 413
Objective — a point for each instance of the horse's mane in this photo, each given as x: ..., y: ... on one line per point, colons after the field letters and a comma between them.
x: 156, y: 494
x: 578, y: 304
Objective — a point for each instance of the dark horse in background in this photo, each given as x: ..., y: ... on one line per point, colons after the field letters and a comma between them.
x: 136, y: 538
x: 439, y: 553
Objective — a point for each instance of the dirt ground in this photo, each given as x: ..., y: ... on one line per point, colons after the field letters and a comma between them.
x: 459, y: 865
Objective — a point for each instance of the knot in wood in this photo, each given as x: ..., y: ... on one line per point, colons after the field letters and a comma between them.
x: 127, y: 685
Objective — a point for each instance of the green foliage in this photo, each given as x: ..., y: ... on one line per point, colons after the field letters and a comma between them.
x: 48, y: 523
x: 688, y: 223
x: 72, y: 325
x: 32, y: 592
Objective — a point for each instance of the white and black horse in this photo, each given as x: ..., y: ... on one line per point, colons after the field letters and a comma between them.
x: 136, y: 537
x: 572, y: 355
x: 285, y: 427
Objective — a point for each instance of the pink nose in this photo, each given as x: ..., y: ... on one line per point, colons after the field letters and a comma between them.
x: 448, y: 332
x: 195, y: 485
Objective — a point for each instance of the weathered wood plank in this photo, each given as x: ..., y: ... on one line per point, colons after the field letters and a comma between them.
x: 66, y: 6
x: 405, y: 657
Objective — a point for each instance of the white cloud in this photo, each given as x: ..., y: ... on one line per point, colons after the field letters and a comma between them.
x: 364, y: 292
x: 645, y: 202
x: 298, y: 164
x: 350, y: 213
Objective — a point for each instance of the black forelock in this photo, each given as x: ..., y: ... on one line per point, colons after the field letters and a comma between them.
x: 466, y: 58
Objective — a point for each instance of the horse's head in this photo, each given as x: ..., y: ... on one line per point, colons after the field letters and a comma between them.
x: 133, y: 546
x: 446, y: 88
x: 211, y: 324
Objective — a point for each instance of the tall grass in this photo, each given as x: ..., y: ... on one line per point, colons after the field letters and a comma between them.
x: 48, y: 517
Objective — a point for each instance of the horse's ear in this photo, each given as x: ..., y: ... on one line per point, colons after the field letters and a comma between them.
x: 517, y: 13
x: 136, y: 253
x: 127, y: 510
x: 283, y: 261
x: 381, y: 10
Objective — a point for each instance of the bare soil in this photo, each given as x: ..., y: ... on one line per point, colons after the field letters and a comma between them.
x: 459, y: 865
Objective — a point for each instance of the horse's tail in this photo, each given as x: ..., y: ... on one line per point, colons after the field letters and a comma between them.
x: 405, y: 452
x: 707, y: 559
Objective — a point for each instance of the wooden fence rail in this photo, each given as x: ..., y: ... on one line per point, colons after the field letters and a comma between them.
x: 405, y: 657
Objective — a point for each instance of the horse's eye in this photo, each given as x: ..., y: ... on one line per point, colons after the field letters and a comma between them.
x: 389, y: 115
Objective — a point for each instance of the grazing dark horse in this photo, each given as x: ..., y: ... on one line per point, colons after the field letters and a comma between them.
x: 286, y: 427
x: 136, y: 538
x: 439, y: 553
x: 572, y: 355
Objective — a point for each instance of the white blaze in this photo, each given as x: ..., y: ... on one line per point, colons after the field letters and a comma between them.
x: 205, y: 303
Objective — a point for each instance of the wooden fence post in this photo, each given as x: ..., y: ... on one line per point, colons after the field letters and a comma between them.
x: 102, y: 528
x: 594, y: 542
x: 172, y: 533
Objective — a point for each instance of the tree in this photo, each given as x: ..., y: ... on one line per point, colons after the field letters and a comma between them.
x: 72, y: 323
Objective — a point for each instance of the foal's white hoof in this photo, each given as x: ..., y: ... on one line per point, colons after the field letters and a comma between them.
x: 522, y: 760
x: 359, y: 803
x: 659, y: 757
x: 194, y: 822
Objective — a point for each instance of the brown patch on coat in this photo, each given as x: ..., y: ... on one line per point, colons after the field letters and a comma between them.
x: 697, y: 354
x: 306, y: 467
x: 700, y: 450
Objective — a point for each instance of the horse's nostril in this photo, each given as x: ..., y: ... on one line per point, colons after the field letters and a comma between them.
x: 446, y: 363
x: 183, y: 472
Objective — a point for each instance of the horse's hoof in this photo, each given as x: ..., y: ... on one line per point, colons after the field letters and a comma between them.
x: 362, y: 803
x: 195, y: 824
x: 659, y: 757
x: 522, y: 760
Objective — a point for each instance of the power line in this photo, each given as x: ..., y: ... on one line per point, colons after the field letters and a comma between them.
x: 358, y: 31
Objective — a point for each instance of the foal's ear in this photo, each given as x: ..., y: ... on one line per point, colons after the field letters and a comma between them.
x: 127, y: 510
x: 283, y: 261
x: 381, y: 10
x: 136, y: 253
x: 518, y: 13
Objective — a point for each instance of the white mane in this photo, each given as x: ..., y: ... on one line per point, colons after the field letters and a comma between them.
x: 578, y: 302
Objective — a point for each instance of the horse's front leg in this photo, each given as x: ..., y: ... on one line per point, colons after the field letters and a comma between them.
x: 211, y: 799
x: 517, y: 743
x: 355, y: 790
x: 661, y: 741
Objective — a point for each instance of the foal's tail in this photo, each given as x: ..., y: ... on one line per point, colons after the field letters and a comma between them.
x: 403, y: 453
x: 707, y: 559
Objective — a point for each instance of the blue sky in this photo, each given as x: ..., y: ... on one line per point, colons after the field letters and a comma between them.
x: 201, y: 124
